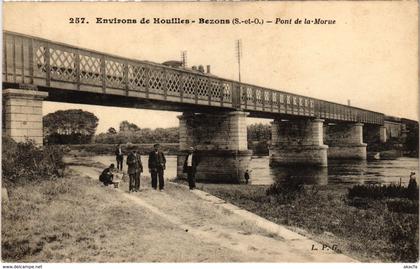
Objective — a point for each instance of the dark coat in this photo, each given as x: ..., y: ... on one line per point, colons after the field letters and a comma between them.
x: 106, y: 176
x: 195, y: 161
x: 157, y: 160
x: 134, y: 163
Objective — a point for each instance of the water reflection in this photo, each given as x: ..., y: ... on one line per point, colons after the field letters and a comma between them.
x: 338, y: 172
x: 306, y: 175
x: 349, y: 171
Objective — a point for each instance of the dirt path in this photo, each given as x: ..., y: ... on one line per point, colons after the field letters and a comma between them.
x: 219, y: 228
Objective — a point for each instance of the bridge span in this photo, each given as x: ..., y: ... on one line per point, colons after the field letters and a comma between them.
x: 305, y: 130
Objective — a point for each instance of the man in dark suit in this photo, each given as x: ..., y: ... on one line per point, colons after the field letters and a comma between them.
x: 135, y: 167
x: 119, y: 157
x: 190, y: 167
x: 157, y: 164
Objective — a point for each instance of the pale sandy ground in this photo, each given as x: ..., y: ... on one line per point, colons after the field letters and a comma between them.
x: 213, y: 231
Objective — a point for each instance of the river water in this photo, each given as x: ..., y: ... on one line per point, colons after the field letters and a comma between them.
x: 338, y: 172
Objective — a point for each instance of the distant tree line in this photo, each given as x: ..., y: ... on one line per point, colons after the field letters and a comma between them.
x: 129, y: 132
x: 259, y: 132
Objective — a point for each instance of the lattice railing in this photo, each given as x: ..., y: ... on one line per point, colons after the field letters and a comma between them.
x: 189, y: 85
x: 216, y: 90
x: 39, y: 55
x: 138, y: 77
x: 62, y: 65
x: 41, y: 62
x: 173, y: 83
x: 114, y: 73
x: 90, y: 69
x: 227, y: 91
x: 202, y: 88
x: 157, y: 81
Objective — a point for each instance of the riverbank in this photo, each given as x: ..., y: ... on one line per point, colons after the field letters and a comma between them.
x: 322, y: 213
x: 76, y: 219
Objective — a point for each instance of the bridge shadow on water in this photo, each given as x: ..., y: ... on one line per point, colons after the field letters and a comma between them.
x: 306, y: 175
x: 337, y: 172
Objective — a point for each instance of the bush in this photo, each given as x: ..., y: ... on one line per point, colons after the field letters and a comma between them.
x: 403, y: 206
x: 286, y: 191
x: 259, y: 148
x: 25, y: 161
x: 402, y: 231
x: 381, y: 192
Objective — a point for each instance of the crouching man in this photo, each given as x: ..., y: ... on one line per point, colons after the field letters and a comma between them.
x: 107, y: 175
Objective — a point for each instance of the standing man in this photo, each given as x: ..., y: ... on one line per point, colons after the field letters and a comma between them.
x: 157, y: 164
x: 119, y: 157
x: 190, y: 167
x: 412, y: 189
x: 134, y: 169
x: 247, y: 175
x: 138, y: 172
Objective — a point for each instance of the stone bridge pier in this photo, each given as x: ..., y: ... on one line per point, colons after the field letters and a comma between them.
x: 22, y: 114
x: 220, y: 141
x: 374, y: 134
x: 345, y: 141
x: 298, y: 142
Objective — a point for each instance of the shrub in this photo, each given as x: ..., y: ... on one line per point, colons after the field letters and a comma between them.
x: 384, y: 191
x: 286, y: 191
x: 402, y: 231
x: 259, y: 148
x: 403, y: 206
x: 25, y: 161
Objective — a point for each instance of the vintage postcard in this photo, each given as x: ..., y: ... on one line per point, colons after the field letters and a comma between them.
x: 203, y: 132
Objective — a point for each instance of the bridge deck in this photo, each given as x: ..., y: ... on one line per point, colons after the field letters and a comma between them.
x: 52, y: 65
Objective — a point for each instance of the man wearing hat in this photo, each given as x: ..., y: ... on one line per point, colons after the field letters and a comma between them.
x: 135, y: 167
x: 157, y: 164
x: 190, y: 167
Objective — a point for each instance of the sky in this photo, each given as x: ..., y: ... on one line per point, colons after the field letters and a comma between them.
x: 369, y: 55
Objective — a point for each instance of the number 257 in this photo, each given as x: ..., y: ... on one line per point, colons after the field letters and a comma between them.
x: 77, y: 20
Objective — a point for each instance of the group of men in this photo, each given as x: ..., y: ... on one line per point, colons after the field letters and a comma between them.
x: 156, y: 164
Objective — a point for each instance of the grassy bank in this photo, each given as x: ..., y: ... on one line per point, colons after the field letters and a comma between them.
x: 323, y: 213
x: 75, y: 219
x: 64, y: 220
